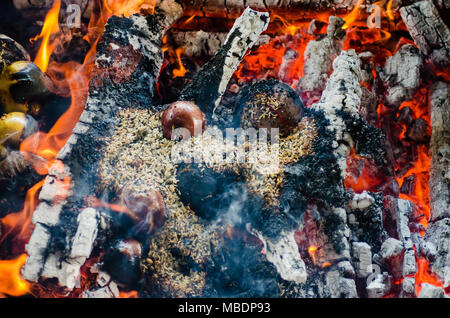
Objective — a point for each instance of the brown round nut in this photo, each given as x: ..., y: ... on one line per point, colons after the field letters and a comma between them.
x: 147, y: 209
x: 183, y: 114
x: 270, y: 104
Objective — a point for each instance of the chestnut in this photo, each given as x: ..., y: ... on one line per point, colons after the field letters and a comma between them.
x: 183, y: 114
x: 16, y: 126
x: 147, y: 209
x: 122, y: 261
x: 20, y: 83
x: 269, y: 104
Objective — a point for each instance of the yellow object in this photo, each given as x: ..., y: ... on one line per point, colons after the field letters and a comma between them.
x: 6, y: 98
x: 11, y: 128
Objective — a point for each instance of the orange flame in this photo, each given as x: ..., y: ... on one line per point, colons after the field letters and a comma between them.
x: 389, y: 10
x: 11, y: 283
x: 130, y: 294
x: 125, y: 7
x: 181, y: 70
x: 21, y: 221
x: 312, y: 252
x: 50, y: 27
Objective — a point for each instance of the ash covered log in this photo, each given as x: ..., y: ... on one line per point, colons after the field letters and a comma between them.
x: 210, y: 83
x: 319, y: 56
x: 440, y: 151
x: 201, y: 43
x: 430, y: 33
x: 401, y: 73
x: 129, y: 59
x: 438, y: 232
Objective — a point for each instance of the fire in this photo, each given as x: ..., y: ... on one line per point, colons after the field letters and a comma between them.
x: 11, y: 283
x: 353, y: 15
x: 47, y: 145
x: 126, y: 7
x: 50, y: 27
x: 130, y: 294
x: 181, y: 70
x: 312, y: 252
x: 21, y: 222
x: 424, y: 275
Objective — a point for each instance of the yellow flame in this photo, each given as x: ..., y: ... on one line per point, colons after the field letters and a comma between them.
x: 351, y: 17
x: 389, y: 10
x: 50, y: 27
x: 11, y: 282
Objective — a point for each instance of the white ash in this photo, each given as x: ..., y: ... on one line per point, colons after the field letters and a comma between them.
x: 362, y: 201
x: 379, y: 286
x: 346, y: 269
x: 342, y: 93
x: 201, y: 43
x: 84, y: 238
x: 340, y: 287
x: 431, y: 291
x: 319, y: 56
x: 402, y: 74
x: 284, y: 255
x: 391, y: 248
x: 362, y: 256
x: 408, y: 287
x: 109, y: 291
x: 438, y: 233
x: 249, y: 25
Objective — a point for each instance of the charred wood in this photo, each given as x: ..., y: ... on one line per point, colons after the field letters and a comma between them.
x: 319, y: 56
x: 430, y: 33
x: 402, y: 74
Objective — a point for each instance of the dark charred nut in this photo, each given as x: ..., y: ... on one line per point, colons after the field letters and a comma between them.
x: 206, y: 191
x: 269, y: 104
x: 183, y: 114
x: 148, y: 209
x: 122, y: 261
x: 11, y: 51
x: 21, y: 83
x: 32, y: 84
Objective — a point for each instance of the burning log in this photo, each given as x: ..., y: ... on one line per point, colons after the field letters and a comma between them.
x: 440, y: 151
x: 402, y: 74
x: 429, y: 31
x: 210, y: 83
x: 438, y: 232
x: 129, y: 58
x: 201, y: 43
x: 319, y: 56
